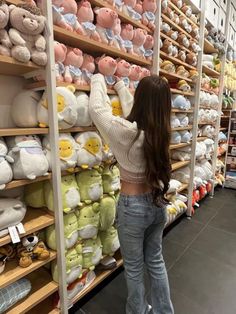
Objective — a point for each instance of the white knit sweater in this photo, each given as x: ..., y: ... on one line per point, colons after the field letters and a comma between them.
x: 116, y: 131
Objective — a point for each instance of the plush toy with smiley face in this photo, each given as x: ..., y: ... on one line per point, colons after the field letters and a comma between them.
x: 116, y: 106
x: 89, y: 154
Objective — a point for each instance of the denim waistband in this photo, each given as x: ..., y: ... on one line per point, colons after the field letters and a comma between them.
x: 140, y: 197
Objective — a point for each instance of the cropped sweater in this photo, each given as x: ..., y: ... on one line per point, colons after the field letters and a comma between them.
x: 119, y: 133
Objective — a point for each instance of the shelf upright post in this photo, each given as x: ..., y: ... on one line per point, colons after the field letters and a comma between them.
x: 56, y: 170
x: 221, y: 90
x: 196, y: 108
x: 157, y: 35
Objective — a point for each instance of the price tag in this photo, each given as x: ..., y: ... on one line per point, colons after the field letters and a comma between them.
x: 14, y: 234
x: 20, y: 228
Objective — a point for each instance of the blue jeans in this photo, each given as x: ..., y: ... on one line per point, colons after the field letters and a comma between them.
x: 140, y: 226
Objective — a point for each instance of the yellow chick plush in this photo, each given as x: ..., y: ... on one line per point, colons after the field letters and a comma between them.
x: 116, y: 106
x: 89, y: 154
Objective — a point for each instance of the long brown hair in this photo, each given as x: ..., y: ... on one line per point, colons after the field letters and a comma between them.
x: 151, y: 111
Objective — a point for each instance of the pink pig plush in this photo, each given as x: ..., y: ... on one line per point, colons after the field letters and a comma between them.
x: 127, y: 34
x: 138, y: 41
x: 88, y: 68
x: 73, y: 63
x: 144, y: 72
x: 85, y: 17
x: 123, y: 71
x: 149, y: 10
x: 148, y: 46
x: 128, y: 8
x: 64, y: 15
x: 118, y: 41
x: 106, y: 20
x: 60, y: 52
x: 134, y: 76
x: 107, y: 66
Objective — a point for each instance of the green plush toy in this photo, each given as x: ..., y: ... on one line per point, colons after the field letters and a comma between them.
x: 34, y: 195
x: 70, y: 231
x: 107, y: 208
x: 70, y: 194
x: 110, y: 241
x: 90, y: 186
x: 92, y: 253
x: 88, y: 221
x: 111, y: 180
x: 74, y: 262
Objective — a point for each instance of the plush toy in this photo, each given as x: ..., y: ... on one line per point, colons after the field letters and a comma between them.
x: 71, y: 233
x: 127, y: 34
x: 182, y: 71
x: 194, y: 46
x: 92, y: 253
x: 111, y: 180
x: 174, y: 122
x: 128, y: 8
x: 73, y: 63
x: 26, y: 101
x: 175, y: 138
x: 5, y: 42
x: 138, y: 41
x: 174, y: 185
x: 123, y: 71
x: 180, y: 102
x: 184, y: 86
x: 149, y: 10
x: 183, y: 40
x: 110, y: 241
x: 28, y: 43
x: 168, y: 66
x: 34, y: 195
x: 74, y: 262
x: 90, y: 186
x: 193, y: 75
x: 118, y: 41
x: 88, y: 221
x: 195, y: 32
x: 116, y: 106
x: 29, y: 159
x: 106, y: 20
x: 167, y: 47
x: 30, y: 249
x: 67, y: 151
x: 5, y: 168
x: 108, y: 157
x: 148, y: 46
x: 214, y: 85
x: 144, y: 73
x: 187, y: 10
x: 87, y: 68
x: 191, y: 59
x: 82, y: 107
x: 70, y: 194
x: 134, y: 76
x: 85, y: 17
x: 184, y: 23
x: 107, y: 209
x: 168, y: 12
x: 89, y: 152
x: 182, y: 175
x: 164, y: 27
x: 208, y: 61
x: 172, y: 34
x: 66, y: 104
x: 139, y: 7
x: 178, y: 3
x: 183, y: 119
x: 207, y: 130
x: 12, y: 212
x: 186, y: 136
x: 107, y: 66
x: 182, y: 55
x: 179, y: 155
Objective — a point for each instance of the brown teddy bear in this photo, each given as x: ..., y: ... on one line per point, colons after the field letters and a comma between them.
x: 5, y: 42
x: 182, y: 71
x: 187, y: 10
x: 7, y: 252
x: 31, y: 248
x: 183, y: 40
x: 182, y: 55
x: 172, y: 34
x: 184, y: 86
x: 191, y: 59
x: 168, y: 66
x: 167, y: 47
x: 27, y: 26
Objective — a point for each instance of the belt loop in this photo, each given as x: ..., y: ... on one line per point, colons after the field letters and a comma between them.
x: 126, y: 200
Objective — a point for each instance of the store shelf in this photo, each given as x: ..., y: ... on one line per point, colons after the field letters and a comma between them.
x: 210, y: 72
x: 179, y: 164
x: 42, y: 287
x: 23, y: 131
x: 225, y: 117
x: 16, y: 183
x: 14, y: 272
x: 41, y: 85
x: 46, y: 307
x: 179, y: 12
x: 9, y: 66
x: 91, y: 46
x: 223, y: 129
x: 181, y: 110
x: 183, y: 187
x: 177, y: 146
x: 206, y: 123
x: 208, y: 47
x: 35, y: 220
x: 182, y: 128
x: 176, y: 61
x: 101, y: 275
x: 174, y: 76
x: 178, y: 91
x: 208, y: 91
x: 79, y: 129
x: 174, y: 42
x: 202, y: 138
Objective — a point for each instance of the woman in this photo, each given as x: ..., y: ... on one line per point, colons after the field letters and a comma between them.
x: 140, y: 144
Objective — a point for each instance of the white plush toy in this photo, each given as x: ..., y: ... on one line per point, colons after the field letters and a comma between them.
x: 182, y: 175
x: 180, y: 102
x: 175, y: 123
x: 82, y: 108
x: 12, y: 212
x: 175, y: 138
x: 213, y: 115
x: 186, y: 136
x: 89, y: 153
x: 66, y: 108
x: 29, y: 159
x: 200, y: 173
x: 200, y: 151
x: 207, y: 130
x: 214, y: 101
x: 174, y: 185
x: 24, y: 109
x: 207, y: 167
x: 208, y: 60
x: 209, y: 147
x: 6, y: 174
x: 183, y: 119
x: 180, y: 155
x: 67, y: 151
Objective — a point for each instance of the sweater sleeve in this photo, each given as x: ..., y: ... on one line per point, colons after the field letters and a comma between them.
x: 126, y: 98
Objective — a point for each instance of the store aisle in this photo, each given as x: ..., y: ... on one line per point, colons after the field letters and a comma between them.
x: 201, y: 259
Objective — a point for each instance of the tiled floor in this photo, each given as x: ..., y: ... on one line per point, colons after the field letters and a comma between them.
x: 200, y: 257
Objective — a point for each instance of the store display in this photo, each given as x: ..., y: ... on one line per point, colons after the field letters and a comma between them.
x: 92, y: 253
x: 5, y: 168
x: 110, y: 241
x: 73, y: 62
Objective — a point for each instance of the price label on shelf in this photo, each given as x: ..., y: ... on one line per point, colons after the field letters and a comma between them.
x: 14, y: 234
x: 20, y: 228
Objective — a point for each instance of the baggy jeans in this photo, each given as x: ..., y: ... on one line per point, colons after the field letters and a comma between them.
x: 140, y: 227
